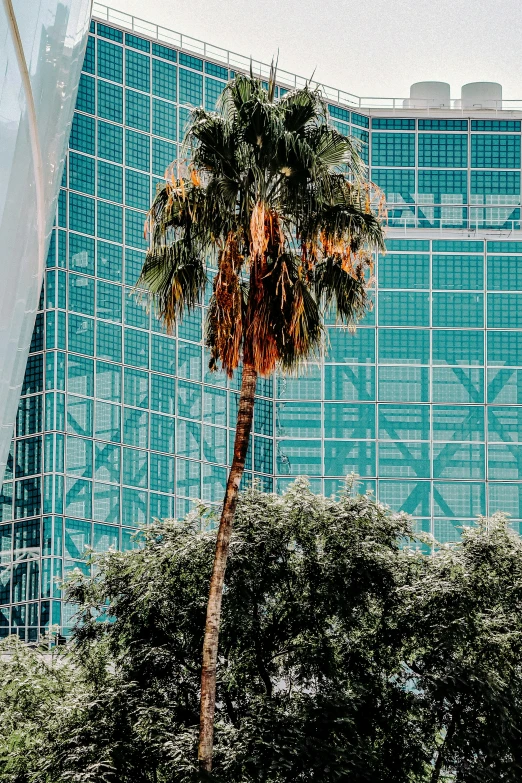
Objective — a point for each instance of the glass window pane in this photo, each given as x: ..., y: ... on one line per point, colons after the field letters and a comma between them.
x: 393, y: 149
x: 78, y: 498
x: 341, y: 420
x: 404, y: 270
x: 505, y: 386
x: 412, y: 497
x: 506, y: 498
x: 345, y: 346
x: 110, y: 101
x: 458, y: 384
x: 109, y: 261
x: 110, y: 61
x: 344, y: 457
x: 110, y: 181
x: 504, y: 311
x: 215, y: 406
x: 107, y: 462
x: 105, y: 536
x: 81, y: 173
x: 188, y: 439
x: 404, y: 422
x: 459, y: 460
x: 459, y: 499
x: 454, y: 309
x: 398, y: 185
x: 299, y: 457
x: 135, y: 467
x: 458, y: 422
x: 456, y: 271
x: 162, y: 473
x: 163, y: 394
x: 458, y: 347
x: 505, y: 461
x: 190, y: 87
x: 405, y: 459
x: 77, y: 537
x: 347, y: 383
x: 137, y: 71
x: 137, y: 150
x: 445, y: 150
x: 136, y: 427
x: 107, y: 425
x: 404, y: 308
x: 79, y: 457
x: 79, y: 416
x: 110, y: 142
x: 162, y: 431
x: 215, y: 444
x: 443, y: 187
x: 404, y: 346
x: 490, y: 151
x: 505, y: 424
x: 404, y: 383
x: 164, y: 80
x: 83, y: 136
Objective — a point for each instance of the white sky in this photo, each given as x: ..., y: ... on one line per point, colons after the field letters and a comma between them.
x: 368, y: 47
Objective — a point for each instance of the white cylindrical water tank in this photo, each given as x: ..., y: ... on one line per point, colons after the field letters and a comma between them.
x: 481, y: 95
x: 429, y: 95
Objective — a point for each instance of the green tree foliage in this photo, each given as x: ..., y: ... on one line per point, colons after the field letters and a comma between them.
x: 347, y: 655
x: 31, y: 685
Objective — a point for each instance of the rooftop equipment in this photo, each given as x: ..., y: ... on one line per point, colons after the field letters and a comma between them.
x: 428, y: 95
x: 481, y: 95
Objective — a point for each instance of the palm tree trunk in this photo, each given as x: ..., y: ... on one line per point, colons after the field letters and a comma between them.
x: 211, y: 638
x: 450, y: 731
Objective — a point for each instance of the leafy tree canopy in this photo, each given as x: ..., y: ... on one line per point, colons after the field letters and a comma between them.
x: 346, y: 655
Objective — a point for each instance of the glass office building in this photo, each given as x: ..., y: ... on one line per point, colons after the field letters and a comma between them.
x: 119, y: 423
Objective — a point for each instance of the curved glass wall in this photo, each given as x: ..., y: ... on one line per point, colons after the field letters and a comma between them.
x: 42, y: 44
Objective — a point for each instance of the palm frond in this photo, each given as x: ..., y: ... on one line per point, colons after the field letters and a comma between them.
x: 336, y: 288
x: 175, y: 280
x: 286, y: 326
x: 273, y: 192
x: 302, y: 107
x: 226, y: 310
x: 272, y: 79
x: 332, y: 150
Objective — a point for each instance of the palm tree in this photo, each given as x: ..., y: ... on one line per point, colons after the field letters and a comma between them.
x: 276, y: 199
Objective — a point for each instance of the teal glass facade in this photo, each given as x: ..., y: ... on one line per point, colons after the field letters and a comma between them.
x: 120, y: 423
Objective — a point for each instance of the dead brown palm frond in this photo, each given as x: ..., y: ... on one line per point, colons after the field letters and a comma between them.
x: 258, y: 235
x: 195, y: 177
x: 375, y: 199
x: 282, y: 282
x: 226, y: 308
x: 295, y: 327
x: 264, y: 347
x: 309, y: 253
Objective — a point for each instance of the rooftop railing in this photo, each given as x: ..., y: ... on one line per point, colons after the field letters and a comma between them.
x: 239, y: 62
x: 471, y: 228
